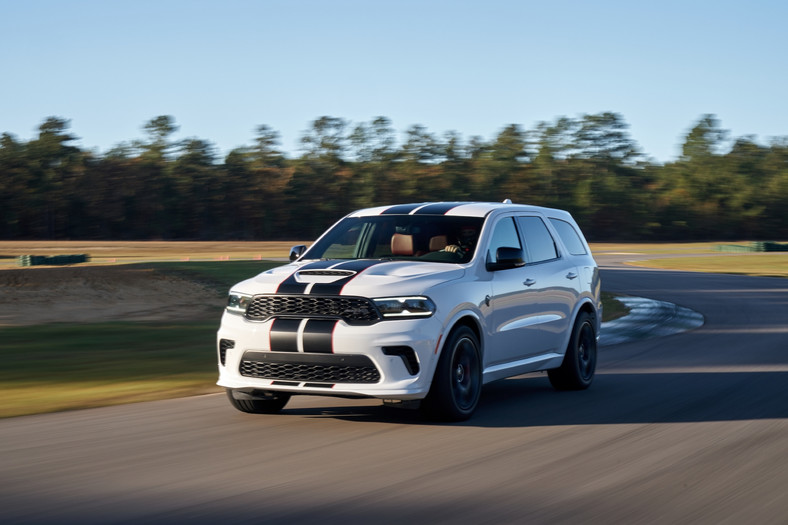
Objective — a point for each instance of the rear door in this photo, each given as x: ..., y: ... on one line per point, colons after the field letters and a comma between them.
x: 555, y: 278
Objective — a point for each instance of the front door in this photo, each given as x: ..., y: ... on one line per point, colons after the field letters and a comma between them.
x: 516, y: 303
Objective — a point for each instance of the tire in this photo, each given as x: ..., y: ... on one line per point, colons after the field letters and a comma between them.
x: 271, y: 403
x: 457, y: 383
x: 577, y: 370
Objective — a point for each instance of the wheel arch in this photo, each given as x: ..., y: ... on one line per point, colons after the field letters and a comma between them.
x: 585, y: 305
x: 464, y: 319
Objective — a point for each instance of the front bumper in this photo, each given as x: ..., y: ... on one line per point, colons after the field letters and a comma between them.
x: 391, y: 359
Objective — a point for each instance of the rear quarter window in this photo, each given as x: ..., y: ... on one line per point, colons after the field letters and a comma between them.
x: 569, y: 236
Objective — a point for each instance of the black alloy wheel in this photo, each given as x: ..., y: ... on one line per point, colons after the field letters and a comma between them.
x: 267, y: 403
x: 577, y: 370
x: 457, y: 384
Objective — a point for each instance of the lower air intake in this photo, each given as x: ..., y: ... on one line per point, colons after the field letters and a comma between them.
x: 316, y: 368
x: 224, y: 345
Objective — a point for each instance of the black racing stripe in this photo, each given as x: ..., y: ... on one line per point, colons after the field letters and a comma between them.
x: 335, y: 288
x: 330, y: 288
x: 440, y: 208
x: 291, y: 286
x: 284, y: 335
x: 401, y: 209
x: 318, y: 336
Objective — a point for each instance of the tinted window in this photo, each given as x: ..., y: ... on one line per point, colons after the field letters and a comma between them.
x: 538, y: 242
x: 504, y: 235
x: 570, y: 237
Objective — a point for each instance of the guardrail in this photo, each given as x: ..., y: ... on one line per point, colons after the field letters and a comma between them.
x: 753, y: 247
x: 51, y: 260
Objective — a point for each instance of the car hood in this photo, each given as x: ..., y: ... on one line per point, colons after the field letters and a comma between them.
x: 366, y: 278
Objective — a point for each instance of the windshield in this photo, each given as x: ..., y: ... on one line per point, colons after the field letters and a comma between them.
x: 437, y: 238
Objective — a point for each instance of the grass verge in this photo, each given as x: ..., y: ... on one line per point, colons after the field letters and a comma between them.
x: 48, y: 368
x: 757, y: 264
x: 602, y: 248
x: 612, y: 308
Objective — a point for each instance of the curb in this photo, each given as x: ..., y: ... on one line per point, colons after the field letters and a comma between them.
x: 648, y: 318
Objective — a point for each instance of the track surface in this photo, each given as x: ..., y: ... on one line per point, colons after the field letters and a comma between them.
x: 685, y: 428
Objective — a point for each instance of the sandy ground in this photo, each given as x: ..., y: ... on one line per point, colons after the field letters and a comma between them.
x: 101, y: 293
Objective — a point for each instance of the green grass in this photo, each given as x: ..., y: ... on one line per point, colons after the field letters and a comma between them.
x: 659, y: 247
x: 758, y: 264
x: 48, y: 368
x: 612, y: 308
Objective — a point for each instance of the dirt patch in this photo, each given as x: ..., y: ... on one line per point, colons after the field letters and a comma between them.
x: 102, y: 293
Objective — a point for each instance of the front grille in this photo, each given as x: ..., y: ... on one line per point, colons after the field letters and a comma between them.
x: 330, y: 368
x: 354, y: 310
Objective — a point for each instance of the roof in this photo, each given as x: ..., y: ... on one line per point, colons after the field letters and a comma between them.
x: 462, y: 209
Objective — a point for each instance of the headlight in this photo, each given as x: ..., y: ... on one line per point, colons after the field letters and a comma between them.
x: 237, y: 303
x: 403, y: 307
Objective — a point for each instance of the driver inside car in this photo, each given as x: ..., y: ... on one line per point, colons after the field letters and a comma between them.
x: 465, y: 241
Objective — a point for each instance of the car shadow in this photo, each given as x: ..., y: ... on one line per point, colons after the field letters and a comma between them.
x: 614, y: 398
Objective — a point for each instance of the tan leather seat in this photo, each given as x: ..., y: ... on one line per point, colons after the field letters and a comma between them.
x: 438, y: 243
x: 401, y: 244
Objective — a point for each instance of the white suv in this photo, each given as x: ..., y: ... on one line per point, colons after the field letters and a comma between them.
x: 414, y: 302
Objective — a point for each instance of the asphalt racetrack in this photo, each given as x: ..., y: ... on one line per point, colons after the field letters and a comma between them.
x: 685, y: 428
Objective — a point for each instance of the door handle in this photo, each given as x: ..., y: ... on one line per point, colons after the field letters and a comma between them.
x: 571, y: 275
x: 529, y: 282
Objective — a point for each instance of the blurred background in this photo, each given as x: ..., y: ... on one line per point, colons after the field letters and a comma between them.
x: 160, y: 189
x: 269, y: 120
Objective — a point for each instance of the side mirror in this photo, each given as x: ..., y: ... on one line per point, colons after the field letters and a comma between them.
x: 297, y: 251
x: 507, y: 258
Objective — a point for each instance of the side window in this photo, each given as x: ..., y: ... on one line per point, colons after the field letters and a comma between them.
x: 538, y: 241
x: 570, y: 237
x: 504, y: 235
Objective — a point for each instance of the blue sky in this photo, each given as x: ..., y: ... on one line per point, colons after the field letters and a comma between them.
x: 222, y: 68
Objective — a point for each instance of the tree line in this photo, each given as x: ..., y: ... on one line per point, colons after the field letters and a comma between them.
x: 158, y: 188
